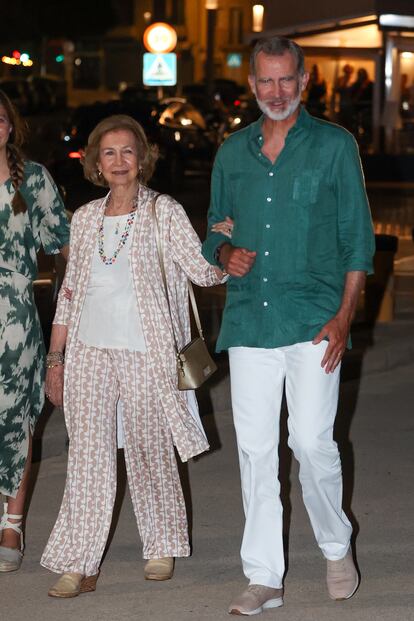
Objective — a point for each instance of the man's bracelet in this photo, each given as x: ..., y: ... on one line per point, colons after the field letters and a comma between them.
x: 54, y: 359
x: 217, y: 256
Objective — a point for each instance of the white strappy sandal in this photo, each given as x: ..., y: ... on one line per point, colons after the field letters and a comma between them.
x: 11, y: 558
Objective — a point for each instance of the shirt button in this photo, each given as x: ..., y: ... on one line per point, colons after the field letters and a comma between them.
x: 269, y: 199
x: 265, y: 279
x: 268, y: 226
x: 271, y: 174
x: 260, y: 137
x: 267, y: 253
x: 264, y: 303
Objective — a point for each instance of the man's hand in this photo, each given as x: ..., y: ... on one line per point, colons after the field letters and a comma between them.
x: 54, y: 384
x: 337, y: 329
x: 337, y: 332
x: 237, y: 261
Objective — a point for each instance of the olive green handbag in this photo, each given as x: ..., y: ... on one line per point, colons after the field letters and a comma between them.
x: 194, y: 363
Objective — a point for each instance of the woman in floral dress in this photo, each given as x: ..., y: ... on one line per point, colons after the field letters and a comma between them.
x: 31, y: 215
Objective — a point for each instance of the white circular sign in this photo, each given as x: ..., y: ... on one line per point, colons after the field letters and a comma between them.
x: 160, y: 38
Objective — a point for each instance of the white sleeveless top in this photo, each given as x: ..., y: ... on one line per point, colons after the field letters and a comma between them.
x: 110, y: 317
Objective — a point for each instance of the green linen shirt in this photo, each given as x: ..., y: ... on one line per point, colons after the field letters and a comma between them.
x: 307, y: 217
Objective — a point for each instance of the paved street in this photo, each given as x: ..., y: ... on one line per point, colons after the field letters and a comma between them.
x: 375, y: 432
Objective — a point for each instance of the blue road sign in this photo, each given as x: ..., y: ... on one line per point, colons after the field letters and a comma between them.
x: 234, y: 60
x: 159, y: 69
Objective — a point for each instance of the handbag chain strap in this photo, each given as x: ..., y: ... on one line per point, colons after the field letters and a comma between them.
x: 164, y: 277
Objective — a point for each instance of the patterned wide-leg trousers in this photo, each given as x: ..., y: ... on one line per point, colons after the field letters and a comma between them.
x: 94, y: 379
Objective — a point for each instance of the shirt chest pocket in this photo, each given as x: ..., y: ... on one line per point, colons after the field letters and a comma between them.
x: 306, y: 187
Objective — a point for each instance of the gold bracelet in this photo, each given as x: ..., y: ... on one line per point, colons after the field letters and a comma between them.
x: 50, y: 365
x: 54, y: 358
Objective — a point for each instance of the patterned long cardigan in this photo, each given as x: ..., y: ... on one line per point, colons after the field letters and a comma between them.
x: 182, y: 260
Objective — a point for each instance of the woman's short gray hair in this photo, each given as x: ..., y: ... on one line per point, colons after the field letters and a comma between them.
x: 277, y: 46
x: 147, y: 153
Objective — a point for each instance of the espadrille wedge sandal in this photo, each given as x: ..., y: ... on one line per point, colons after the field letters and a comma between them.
x: 71, y: 585
x: 11, y: 558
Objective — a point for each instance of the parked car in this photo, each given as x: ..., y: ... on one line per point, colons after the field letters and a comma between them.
x: 224, y: 90
x: 186, y: 143
x: 227, y: 109
x: 133, y: 93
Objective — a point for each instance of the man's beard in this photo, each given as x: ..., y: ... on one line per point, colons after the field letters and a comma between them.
x: 284, y: 114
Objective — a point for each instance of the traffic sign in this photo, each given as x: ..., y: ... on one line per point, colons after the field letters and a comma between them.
x: 159, y: 69
x: 160, y: 38
x: 234, y: 60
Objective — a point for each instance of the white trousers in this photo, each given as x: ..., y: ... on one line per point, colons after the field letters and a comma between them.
x: 257, y: 380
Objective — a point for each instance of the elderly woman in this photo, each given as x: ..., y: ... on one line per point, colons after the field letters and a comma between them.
x: 31, y: 215
x: 113, y: 340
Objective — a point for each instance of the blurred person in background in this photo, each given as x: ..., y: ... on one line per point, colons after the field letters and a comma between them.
x: 112, y: 340
x: 31, y: 215
x: 361, y: 93
x: 343, y: 93
x: 316, y: 93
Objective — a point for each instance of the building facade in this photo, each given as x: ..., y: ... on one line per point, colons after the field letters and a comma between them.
x: 363, y: 51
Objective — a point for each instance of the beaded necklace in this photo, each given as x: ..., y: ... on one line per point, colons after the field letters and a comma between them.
x: 122, y: 241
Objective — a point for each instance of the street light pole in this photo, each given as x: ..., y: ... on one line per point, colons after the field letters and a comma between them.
x: 211, y: 6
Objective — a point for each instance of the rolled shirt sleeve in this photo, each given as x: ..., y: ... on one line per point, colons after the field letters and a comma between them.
x: 186, y: 247
x: 220, y: 207
x: 355, y: 227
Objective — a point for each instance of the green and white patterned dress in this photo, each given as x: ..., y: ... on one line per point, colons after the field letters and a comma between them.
x: 22, y: 352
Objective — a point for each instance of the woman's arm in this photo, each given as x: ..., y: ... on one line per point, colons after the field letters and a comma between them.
x: 64, y: 251
x: 54, y: 225
x: 186, y: 248
x: 64, y: 302
x: 55, y: 367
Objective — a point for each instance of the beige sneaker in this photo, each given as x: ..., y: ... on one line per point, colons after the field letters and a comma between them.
x: 255, y: 599
x: 342, y: 577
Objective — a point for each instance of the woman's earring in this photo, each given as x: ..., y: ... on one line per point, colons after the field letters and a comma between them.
x: 99, y: 174
x: 140, y: 171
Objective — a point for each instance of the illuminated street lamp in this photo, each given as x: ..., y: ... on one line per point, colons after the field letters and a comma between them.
x: 258, y: 11
x: 211, y: 6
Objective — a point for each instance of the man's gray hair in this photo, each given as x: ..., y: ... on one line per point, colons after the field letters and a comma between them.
x: 277, y: 46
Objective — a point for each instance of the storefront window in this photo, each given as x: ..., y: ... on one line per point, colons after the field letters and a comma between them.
x: 405, y: 131
x: 341, y: 90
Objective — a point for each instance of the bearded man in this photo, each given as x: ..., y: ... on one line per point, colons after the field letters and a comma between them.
x: 291, y: 191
